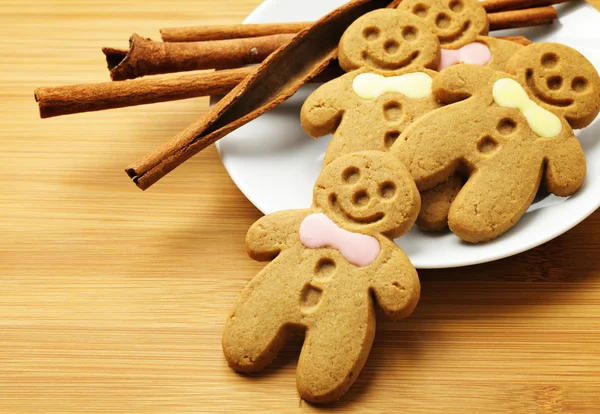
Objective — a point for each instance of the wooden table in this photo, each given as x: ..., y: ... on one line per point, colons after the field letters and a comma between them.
x: 113, y: 300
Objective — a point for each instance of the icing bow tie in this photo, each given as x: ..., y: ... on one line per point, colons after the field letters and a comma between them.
x: 416, y: 85
x: 474, y: 53
x: 318, y: 230
x: 509, y: 93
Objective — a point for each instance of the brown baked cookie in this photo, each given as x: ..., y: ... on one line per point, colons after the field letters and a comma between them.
x: 462, y: 28
x: 505, y: 139
x: 327, y: 265
x: 389, y: 53
x: 553, y: 73
x: 561, y: 78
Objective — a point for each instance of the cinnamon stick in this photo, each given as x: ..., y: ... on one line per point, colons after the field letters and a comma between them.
x: 146, y: 57
x: 238, y: 31
x: 73, y: 99
x: 522, y: 18
x: 494, y: 6
x: 65, y: 100
x: 275, y: 80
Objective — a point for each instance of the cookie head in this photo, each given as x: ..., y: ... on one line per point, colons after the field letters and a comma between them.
x: 561, y: 78
x: 368, y: 192
x: 388, y: 40
x: 455, y: 22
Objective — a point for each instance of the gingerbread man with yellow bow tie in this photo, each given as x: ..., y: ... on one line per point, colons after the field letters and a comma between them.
x: 329, y: 264
x: 514, y: 132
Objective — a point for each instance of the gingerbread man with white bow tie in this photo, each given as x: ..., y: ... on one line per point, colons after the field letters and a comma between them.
x: 328, y: 265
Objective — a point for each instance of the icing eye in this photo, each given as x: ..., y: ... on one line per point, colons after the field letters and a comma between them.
x: 360, y: 198
x: 549, y: 60
x: 390, y: 138
x: 456, y: 6
x: 410, y: 33
x: 554, y: 82
x: 387, y: 189
x: 391, y: 47
x: 351, y: 175
x: 421, y: 10
x: 579, y: 84
x: 506, y: 126
x: 443, y: 21
x: 371, y: 33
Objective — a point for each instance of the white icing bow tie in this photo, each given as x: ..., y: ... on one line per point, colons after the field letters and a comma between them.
x: 415, y: 85
x: 509, y: 93
x: 318, y: 230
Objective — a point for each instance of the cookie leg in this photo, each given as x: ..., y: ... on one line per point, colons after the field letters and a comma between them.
x: 435, y: 204
x: 495, y: 198
x: 334, y: 353
x: 260, y: 323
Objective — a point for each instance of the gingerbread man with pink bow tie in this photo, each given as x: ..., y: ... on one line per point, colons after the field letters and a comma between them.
x: 329, y: 264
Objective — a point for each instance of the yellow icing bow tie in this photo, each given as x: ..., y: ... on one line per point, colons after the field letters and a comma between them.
x: 508, y: 93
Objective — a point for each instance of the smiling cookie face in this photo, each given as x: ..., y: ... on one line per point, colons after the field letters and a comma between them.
x: 388, y: 40
x: 560, y: 78
x: 455, y: 22
x: 368, y: 192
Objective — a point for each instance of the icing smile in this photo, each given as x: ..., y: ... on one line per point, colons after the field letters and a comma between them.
x: 372, y: 218
x: 541, y: 96
x: 386, y: 64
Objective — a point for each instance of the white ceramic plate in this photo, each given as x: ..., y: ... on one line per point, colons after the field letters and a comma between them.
x: 275, y: 164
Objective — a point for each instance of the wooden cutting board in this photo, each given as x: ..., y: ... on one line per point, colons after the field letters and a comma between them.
x: 113, y: 300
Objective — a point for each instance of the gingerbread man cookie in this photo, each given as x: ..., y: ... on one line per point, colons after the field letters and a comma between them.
x: 328, y: 265
x: 462, y: 27
x: 515, y: 130
x: 388, y: 54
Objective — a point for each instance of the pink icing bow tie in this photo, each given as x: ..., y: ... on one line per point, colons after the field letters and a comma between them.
x: 474, y: 53
x: 318, y: 230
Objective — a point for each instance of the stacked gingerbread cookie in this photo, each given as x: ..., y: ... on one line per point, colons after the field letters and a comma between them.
x: 434, y: 120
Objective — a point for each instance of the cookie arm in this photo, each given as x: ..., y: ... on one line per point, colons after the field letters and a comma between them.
x: 270, y: 234
x: 565, y: 167
x: 396, y: 285
x: 323, y: 109
x: 502, y: 50
x: 458, y: 82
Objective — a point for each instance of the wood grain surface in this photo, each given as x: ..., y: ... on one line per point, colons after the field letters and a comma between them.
x: 113, y: 300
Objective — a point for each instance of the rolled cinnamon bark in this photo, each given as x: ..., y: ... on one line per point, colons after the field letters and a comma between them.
x: 275, y: 80
x: 73, y: 99
x: 237, y: 31
x: 146, y: 57
x: 64, y: 100
x: 522, y: 18
x: 494, y: 6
